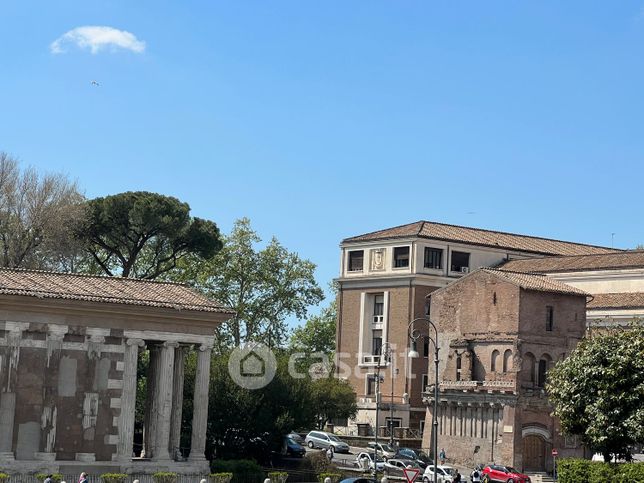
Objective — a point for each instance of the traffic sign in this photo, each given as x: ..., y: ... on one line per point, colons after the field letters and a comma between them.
x: 555, y: 452
x: 411, y: 474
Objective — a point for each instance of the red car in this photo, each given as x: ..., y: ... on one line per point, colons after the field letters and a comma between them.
x: 504, y: 474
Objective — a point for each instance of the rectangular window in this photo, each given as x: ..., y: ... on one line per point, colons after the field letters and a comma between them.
x: 433, y: 258
x: 376, y: 345
x: 425, y: 382
x: 356, y: 260
x: 426, y: 348
x: 378, y: 308
x: 371, y: 384
x: 460, y: 262
x: 550, y: 317
x: 401, y: 257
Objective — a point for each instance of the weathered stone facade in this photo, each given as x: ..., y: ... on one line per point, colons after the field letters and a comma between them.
x: 499, y: 334
x: 68, y: 380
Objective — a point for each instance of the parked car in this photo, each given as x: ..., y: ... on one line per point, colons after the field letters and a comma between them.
x: 358, y: 480
x: 320, y: 439
x: 395, y: 467
x: 382, y: 449
x: 371, y: 460
x: 296, y: 437
x: 444, y: 474
x: 413, y: 454
x: 292, y: 447
x: 504, y: 474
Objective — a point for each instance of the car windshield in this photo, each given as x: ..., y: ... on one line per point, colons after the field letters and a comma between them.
x: 291, y: 440
x: 423, y: 456
x: 333, y: 438
x: 386, y: 447
x: 510, y: 469
x: 449, y: 471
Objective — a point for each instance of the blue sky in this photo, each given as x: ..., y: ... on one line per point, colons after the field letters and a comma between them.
x: 322, y: 120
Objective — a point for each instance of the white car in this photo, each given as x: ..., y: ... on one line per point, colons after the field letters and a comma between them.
x: 383, y: 449
x: 444, y: 473
x: 365, y: 461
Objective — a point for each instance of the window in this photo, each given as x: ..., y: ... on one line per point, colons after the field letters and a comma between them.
x: 458, y: 367
x: 550, y: 317
x: 425, y: 382
x: 376, y: 345
x: 401, y: 257
x: 371, y: 384
x: 356, y: 260
x: 433, y: 258
x: 543, y: 369
x: 378, y: 308
x: 507, y: 360
x: 460, y: 262
x: 493, y: 362
x: 425, y: 347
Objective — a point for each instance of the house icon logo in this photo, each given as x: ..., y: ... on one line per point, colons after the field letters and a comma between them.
x: 252, y: 366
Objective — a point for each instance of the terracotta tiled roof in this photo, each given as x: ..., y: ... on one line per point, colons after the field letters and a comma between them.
x: 540, y: 283
x: 114, y: 290
x: 477, y: 236
x: 607, y: 261
x: 634, y: 300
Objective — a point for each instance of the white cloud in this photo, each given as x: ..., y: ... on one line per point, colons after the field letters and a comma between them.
x: 97, y: 38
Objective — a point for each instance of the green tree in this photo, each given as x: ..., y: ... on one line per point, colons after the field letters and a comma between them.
x: 598, y: 391
x: 142, y: 234
x: 318, y: 333
x: 333, y: 399
x: 264, y: 287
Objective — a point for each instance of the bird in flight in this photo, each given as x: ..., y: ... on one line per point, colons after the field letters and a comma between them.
x: 94, y: 83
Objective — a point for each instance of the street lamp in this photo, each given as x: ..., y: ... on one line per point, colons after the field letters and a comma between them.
x: 386, y: 351
x: 414, y: 335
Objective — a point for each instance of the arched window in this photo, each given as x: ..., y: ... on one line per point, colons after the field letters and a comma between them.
x: 544, y: 365
x: 528, y: 367
x: 494, y: 361
x: 459, y: 363
x: 507, y: 360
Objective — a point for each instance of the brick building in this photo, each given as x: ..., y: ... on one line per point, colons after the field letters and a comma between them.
x: 69, y: 347
x: 499, y: 333
x: 385, y: 277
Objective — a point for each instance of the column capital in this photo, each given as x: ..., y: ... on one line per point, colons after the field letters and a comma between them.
x: 137, y: 342
x: 204, y: 347
x: 170, y: 343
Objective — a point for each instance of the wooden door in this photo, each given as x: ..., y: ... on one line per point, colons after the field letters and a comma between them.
x: 534, y: 453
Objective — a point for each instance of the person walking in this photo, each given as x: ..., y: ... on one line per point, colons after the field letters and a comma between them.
x: 83, y: 478
x: 442, y: 456
x: 457, y: 477
x: 475, y: 476
x: 329, y: 454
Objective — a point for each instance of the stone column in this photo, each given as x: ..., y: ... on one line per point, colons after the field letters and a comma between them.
x: 128, y: 400
x: 177, y: 401
x: 164, y: 401
x: 200, y: 407
x: 8, y: 391
x: 150, y: 422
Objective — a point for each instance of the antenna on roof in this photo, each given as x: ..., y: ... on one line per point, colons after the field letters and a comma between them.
x: 612, y: 240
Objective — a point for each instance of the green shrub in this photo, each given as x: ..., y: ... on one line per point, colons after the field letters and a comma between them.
x: 164, y: 477
x: 221, y: 477
x: 244, y: 471
x: 335, y: 477
x: 585, y: 471
x: 113, y: 477
x: 57, y: 477
x: 319, y: 462
x: 278, y: 476
x: 4, y: 476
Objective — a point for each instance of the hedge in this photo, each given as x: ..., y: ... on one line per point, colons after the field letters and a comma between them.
x: 335, y: 477
x: 585, y: 471
x: 244, y: 471
x: 278, y: 476
x: 4, y: 476
x: 164, y: 477
x: 113, y: 477
x: 221, y: 477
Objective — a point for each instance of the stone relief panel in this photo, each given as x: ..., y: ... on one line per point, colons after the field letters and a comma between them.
x: 377, y: 257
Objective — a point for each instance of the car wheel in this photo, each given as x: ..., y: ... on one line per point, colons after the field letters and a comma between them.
x: 510, y: 480
x: 311, y: 445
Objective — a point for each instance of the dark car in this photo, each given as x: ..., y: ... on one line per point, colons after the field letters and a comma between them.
x: 420, y: 457
x: 504, y: 474
x: 293, y: 448
x: 358, y: 480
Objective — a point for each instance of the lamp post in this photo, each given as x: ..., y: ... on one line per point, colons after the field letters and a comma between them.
x: 414, y: 335
x: 386, y: 351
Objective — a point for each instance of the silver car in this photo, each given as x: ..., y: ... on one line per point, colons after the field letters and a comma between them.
x: 320, y: 439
